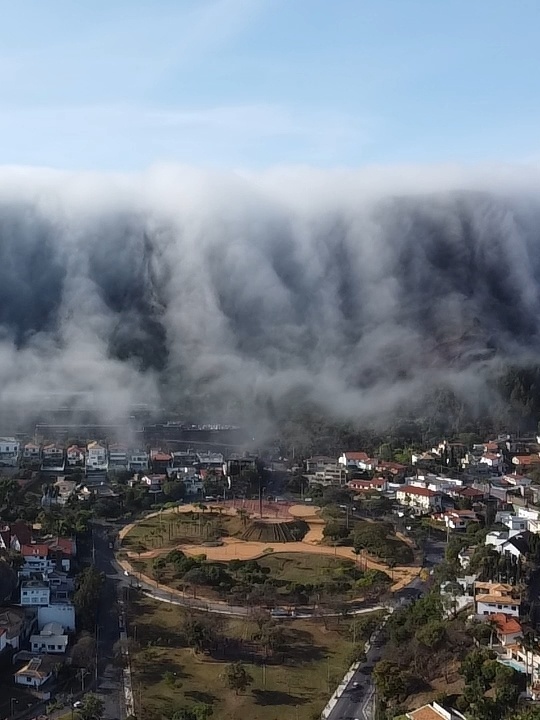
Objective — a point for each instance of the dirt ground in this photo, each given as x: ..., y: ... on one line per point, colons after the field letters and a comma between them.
x: 235, y: 549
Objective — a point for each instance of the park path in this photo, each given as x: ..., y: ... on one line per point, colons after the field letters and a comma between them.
x: 235, y: 549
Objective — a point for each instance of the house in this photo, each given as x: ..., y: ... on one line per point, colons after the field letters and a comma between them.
x: 17, y: 625
x: 96, y: 457
x: 470, y: 493
x: 317, y: 462
x: 59, y: 611
x: 36, y: 557
x: 153, y: 482
x: 511, y: 521
x: 62, y: 551
x: 31, y: 453
x: 44, y: 557
x: 330, y: 475
x: 138, y: 460
x: 59, y: 493
x: 418, y: 498
x: 508, y: 629
x: 52, y: 639
x: 9, y: 451
x: 353, y: 460
x: 118, y: 457
x: 493, y: 460
x: 517, y: 546
x: 52, y: 458
x: 35, y: 673
x: 525, y: 461
x: 379, y: 484
x: 35, y: 592
x: 75, y: 456
x: 491, y: 598
x: 434, y: 711
x: 397, y: 470
x: 160, y: 461
x: 210, y: 460
x: 457, y: 519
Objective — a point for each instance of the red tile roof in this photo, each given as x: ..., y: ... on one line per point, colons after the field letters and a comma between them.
x: 37, y: 549
x: 469, y: 492
x: 356, y: 456
x: 506, y: 624
x: 413, y: 490
x: 65, y: 545
x: 161, y: 457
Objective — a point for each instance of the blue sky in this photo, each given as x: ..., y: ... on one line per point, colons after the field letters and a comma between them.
x: 122, y: 84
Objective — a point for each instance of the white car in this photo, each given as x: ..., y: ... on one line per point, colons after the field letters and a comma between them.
x: 77, y: 704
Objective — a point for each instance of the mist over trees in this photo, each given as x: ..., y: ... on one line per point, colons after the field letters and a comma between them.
x: 273, y: 300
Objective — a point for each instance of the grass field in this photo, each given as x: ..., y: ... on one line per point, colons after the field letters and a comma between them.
x: 178, y: 528
x: 314, y: 661
x: 304, y: 567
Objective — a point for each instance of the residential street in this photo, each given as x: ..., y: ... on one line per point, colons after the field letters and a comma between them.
x: 110, y: 684
x: 357, y: 701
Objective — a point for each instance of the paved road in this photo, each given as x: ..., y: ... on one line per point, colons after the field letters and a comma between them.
x: 110, y: 684
x: 357, y: 700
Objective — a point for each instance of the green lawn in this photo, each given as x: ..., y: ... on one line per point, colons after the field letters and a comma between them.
x: 305, y: 567
x: 316, y: 658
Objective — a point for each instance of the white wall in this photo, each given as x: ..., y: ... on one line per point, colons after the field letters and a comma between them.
x: 62, y: 614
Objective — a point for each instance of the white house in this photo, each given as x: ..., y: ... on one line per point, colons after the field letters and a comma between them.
x: 153, y: 482
x: 418, y: 498
x: 508, y: 629
x: 9, y: 451
x: 75, y: 456
x: 34, y: 674
x: 62, y: 613
x: 493, y: 460
x: 52, y: 639
x: 511, y: 521
x: 36, y: 558
x: 352, y: 460
x: 492, y: 598
x: 138, y: 460
x: 378, y: 484
x: 457, y: 519
x: 35, y: 592
x: 96, y: 457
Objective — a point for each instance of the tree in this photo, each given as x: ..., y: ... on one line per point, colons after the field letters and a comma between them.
x: 86, y: 596
x: 390, y: 680
x: 200, y: 634
x: 83, y: 653
x: 8, y: 580
x: 237, y: 677
x: 93, y: 708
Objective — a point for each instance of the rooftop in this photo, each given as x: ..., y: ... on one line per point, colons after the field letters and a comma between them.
x: 506, y: 624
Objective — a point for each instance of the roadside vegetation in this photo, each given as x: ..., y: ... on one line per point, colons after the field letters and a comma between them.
x: 254, y: 667
x: 429, y: 657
